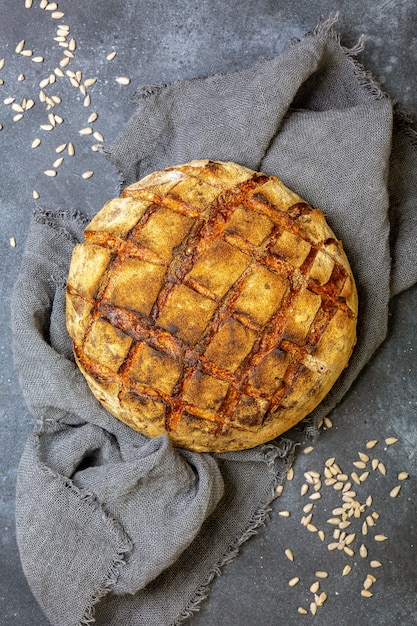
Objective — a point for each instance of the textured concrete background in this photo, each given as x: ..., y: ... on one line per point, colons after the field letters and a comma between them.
x: 161, y: 42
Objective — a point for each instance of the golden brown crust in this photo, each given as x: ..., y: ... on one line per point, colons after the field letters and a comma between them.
x: 212, y: 304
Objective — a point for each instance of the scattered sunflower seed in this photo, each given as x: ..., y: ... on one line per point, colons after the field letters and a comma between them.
x: 308, y: 449
x: 391, y: 440
x: 20, y: 46
x: 71, y: 149
x: 363, y: 551
x: 328, y: 422
x: 313, y: 608
x: 380, y: 537
x: 294, y: 581
x: 375, y: 564
x: 89, y: 82
x: 315, y: 587
x: 123, y: 80
x: 289, y: 554
x: 50, y: 173
x: 56, y: 15
x: 89, y: 131
x: 18, y: 117
x: 365, y: 593
x: 290, y: 473
x: 302, y: 610
x: 61, y: 148
x: 58, y: 162
x: 111, y: 56
x: 394, y: 492
x: 371, y: 444
x: 403, y: 475
x: 87, y: 175
x: 281, y: 513
x: 321, y: 574
x: 28, y: 4
x: 35, y: 194
x: 346, y: 570
x: 2, y: 62
x: 12, y: 241
x: 36, y: 142
x: 38, y: 59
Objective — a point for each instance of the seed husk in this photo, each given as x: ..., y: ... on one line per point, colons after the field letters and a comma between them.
x: 294, y: 581
x: 92, y: 118
x: 50, y: 173
x: 355, y: 477
x: 332, y: 546
x: 371, y: 444
x: 89, y: 131
x: 363, y: 476
x: 312, y: 528
x: 64, y: 62
x: 403, y: 475
x: 9, y: 100
x: 359, y: 464
x: 367, y: 583
x: 346, y: 570
x: 369, y: 501
x: 61, y: 148
x: 380, y: 537
x: 375, y: 564
x: 123, y: 80
x: 394, y: 492
x: 289, y: 554
x: 87, y: 175
x: 364, y: 528
x: 280, y: 488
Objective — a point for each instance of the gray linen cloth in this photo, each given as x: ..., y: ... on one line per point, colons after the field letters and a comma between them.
x: 114, y: 528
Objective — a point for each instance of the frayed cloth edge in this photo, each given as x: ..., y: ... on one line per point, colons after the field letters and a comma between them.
x: 278, y: 458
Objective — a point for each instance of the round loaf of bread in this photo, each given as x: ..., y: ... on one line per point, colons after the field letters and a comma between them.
x: 212, y: 304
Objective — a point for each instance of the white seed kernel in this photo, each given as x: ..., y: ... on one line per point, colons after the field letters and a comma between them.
x: 36, y: 142
x: 346, y: 570
x: 87, y: 175
x: 375, y: 564
x: 58, y: 162
x: 123, y: 80
x: 391, y: 440
x: 281, y: 513
x: 371, y: 444
x: 289, y: 554
x: 294, y: 581
x: 50, y: 173
x: 20, y: 46
x: 111, y: 56
x: 394, y: 492
x: 38, y: 59
x: 380, y: 537
x: 35, y: 194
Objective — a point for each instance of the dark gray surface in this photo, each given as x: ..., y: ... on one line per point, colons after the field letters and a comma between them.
x: 161, y: 42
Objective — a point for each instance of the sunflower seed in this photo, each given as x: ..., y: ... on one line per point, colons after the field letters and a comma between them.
x: 315, y: 587
x: 371, y: 444
x: 20, y: 46
x: 281, y: 513
x: 71, y: 149
x: 394, y: 492
x: 308, y: 450
x: 290, y: 473
x: 348, y: 551
x: 87, y: 101
x: 56, y: 15
x: 375, y: 564
x: 35, y: 194
x: 369, y: 501
x: 334, y: 521
x: 375, y: 463
x: 50, y: 173
x: 363, y: 476
x: 28, y: 4
x: 89, y: 82
x: 289, y: 554
x: 9, y: 100
x: 36, y: 142
x: 18, y: 117
x: 2, y: 62
x: 58, y: 162
x: 391, y: 440
x: 304, y: 489
x: 12, y: 242
x: 382, y: 468
x: 380, y: 537
x: 313, y: 608
x: 330, y: 461
x: 17, y: 107
x: 359, y: 464
x: 315, y: 496
x: 403, y: 475
x: 68, y: 53
x: 88, y: 131
x: 363, y: 551
x: 332, y: 546
x: 294, y: 581
x: 64, y: 62
x: 328, y: 422
x: 280, y: 488
x: 364, y: 528
x: 87, y: 175
x: 365, y: 593
x: 123, y: 80
x: 72, y: 44
x: 38, y: 59
x: 367, y: 583
x: 111, y: 56
x: 312, y: 528
x: 59, y: 72
x: 302, y: 610
x: 308, y: 507
x: 43, y: 4
x: 346, y: 570
x: 321, y: 535
x: 321, y: 574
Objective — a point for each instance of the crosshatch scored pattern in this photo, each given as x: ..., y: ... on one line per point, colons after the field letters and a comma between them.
x: 200, y: 301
